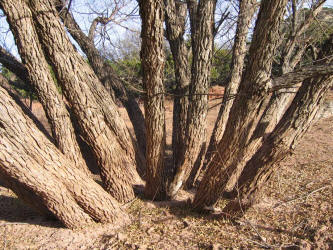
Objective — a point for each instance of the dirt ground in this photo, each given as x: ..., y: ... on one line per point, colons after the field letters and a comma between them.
x: 296, y: 211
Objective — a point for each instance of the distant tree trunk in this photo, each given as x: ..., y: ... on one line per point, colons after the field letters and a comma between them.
x: 21, y: 24
x: 245, y: 113
x: 245, y: 15
x: 96, y: 113
x: 175, y: 19
x: 106, y: 75
x: 11, y: 63
x: 40, y: 174
x: 152, y: 58
x: 202, y: 22
x: 295, y: 122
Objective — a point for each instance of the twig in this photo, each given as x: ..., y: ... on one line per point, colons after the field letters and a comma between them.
x: 303, y: 196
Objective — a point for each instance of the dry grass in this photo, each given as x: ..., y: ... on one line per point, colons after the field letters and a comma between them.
x: 296, y: 211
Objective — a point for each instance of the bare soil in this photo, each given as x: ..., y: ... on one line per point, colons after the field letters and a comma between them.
x: 296, y: 211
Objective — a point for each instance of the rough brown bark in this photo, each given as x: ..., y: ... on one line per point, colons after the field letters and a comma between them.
x: 13, y: 94
x: 107, y: 76
x: 295, y: 122
x: 152, y: 58
x: 39, y: 173
x: 96, y: 113
x: 245, y: 15
x: 248, y: 105
x: 291, y: 54
x: 20, y: 21
x: 202, y: 20
x: 175, y: 18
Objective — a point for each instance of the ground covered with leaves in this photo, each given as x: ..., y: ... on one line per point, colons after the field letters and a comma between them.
x: 296, y: 211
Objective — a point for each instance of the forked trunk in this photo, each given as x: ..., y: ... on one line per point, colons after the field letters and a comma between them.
x: 299, y: 116
x: 195, y: 138
x: 100, y: 123
x: 297, y: 119
x: 233, y: 150
x: 40, y: 174
x: 152, y: 58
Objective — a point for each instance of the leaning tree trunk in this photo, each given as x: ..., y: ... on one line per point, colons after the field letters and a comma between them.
x: 11, y: 63
x: 101, y: 124
x: 152, y: 58
x: 295, y: 122
x: 290, y: 57
x: 246, y: 12
x: 202, y: 44
x: 175, y: 18
x: 106, y: 75
x: 42, y: 176
x: 16, y: 97
x: 20, y: 22
x: 250, y: 101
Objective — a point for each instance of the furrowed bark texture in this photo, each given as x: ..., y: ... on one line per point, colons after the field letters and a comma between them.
x: 96, y: 113
x: 13, y: 94
x: 175, y: 19
x: 248, y: 105
x: 290, y: 57
x: 39, y: 173
x: 297, y: 119
x: 202, y: 44
x: 311, y: 95
x: 245, y: 15
x: 106, y: 75
x: 152, y: 58
x: 20, y: 21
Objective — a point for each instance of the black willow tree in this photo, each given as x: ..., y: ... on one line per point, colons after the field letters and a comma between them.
x: 253, y: 131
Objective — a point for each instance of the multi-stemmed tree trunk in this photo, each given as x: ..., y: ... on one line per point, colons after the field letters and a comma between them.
x: 295, y: 122
x: 152, y: 58
x: 291, y: 54
x: 49, y: 181
x: 45, y: 178
x: 106, y: 75
x: 20, y: 21
x: 234, y: 148
x: 96, y: 113
x: 202, y: 21
x: 246, y: 12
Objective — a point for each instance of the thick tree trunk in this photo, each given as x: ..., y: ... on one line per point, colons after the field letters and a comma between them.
x: 97, y: 115
x: 39, y: 173
x: 21, y: 24
x: 13, y: 94
x: 251, y: 100
x: 297, y: 119
x: 175, y: 19
x: 106, y: 75
x: 152, y: 58
x: 245, y: 15
x: 202, y: 20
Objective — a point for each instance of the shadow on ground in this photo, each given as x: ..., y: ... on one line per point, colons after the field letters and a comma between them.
x: 13, y: 211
